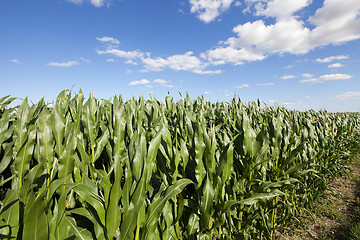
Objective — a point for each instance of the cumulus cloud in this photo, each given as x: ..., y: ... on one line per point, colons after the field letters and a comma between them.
x: 15, y: 60
x: 272, y: 101
x: 121, y: 53
x: 208, y: 72
x: 286, y: 77
x: 326, y: 78
x: 336, y: 65
x: 288, y: 103
x: 307, y: 75
x: 244, y: 85
x: 155, y: 64
x: 184, y: 62
x: 130, y: 61
x: 76, y: 1
x: 288, y: 35
x: 96, y: 3
x: 347, y: 96
x: 161, y: 81
x: 266, y: 84
x: 280, y: 8
x: 209, y: 10
x: 63, y: 64
x: 108, y: 40
x: 332, y: 58
x: 139, y: 82
x: 224, y: 55
x: 179, y: 62
x: 335, y: 22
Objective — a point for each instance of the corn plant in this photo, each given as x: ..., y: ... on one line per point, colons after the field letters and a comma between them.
x: 146, y: 169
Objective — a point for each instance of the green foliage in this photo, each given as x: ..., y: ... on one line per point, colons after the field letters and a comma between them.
x: 141, y: 169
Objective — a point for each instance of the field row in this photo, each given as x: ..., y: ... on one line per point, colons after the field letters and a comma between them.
x: 143, y: 169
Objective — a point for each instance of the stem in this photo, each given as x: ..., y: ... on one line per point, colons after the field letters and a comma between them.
x: 177, y: 226
x: 92, y: 157
x: 137, y: 232
x: 273, y: 218
x: 47, y: 184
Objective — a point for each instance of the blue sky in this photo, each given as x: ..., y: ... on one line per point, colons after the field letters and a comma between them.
x: 301, y: 54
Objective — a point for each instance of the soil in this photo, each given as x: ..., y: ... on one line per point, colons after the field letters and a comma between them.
x: 336, y: 212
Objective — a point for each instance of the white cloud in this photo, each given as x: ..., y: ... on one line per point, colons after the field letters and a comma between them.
x: 110, y: 60
x: 288, y: 66
x: 180, y: 62
x: 332, y: 58
x: 286, y: 77
x: 155, y: 64
x: 15, y: 60
x: 209, y: 10
x: 96, y: 3
x: 63, y: 64
x: 326, y: 78
x: 210, y: 72
x: 347, y: 96
x: 76, y: 1
x: 280, y: 8
x: 307, y: 75
x: 272, y: 101
x: 206, y: 92
x: 238, y: 4
x: 85, y: 60
x: 121, y: 53
x: 108, y: 40
x: 288, y: 35
x: 336, y: 22
x: 223, y: 55
x: 139, y: 82
x: 288, y: 103
x: 130, y: 61
x: 184, y: 62
x: 266, y: 84
x: 336, y: 65
x: 161, y: 81
x: 243, y: 86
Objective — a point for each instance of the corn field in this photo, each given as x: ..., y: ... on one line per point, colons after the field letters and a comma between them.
x: 143, y: 169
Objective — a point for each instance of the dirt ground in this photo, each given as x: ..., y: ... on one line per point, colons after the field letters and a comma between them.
x: 336, y: 213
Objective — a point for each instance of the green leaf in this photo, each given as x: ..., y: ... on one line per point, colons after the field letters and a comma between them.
x: 10, y: 211
x: 24, y: 155
x: 91, y: 197
x: 81, y: 233
x: 193, y: 224
x: 113, y: 213
x: 35, y: 223
x: 101, y: 142
x: 6, y: 159
x: 20, y: 129
x: 67, y: 158
x: 206, y: 205
x: 254, y: 198
x: 155, y: 208
x: 130, y: 215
